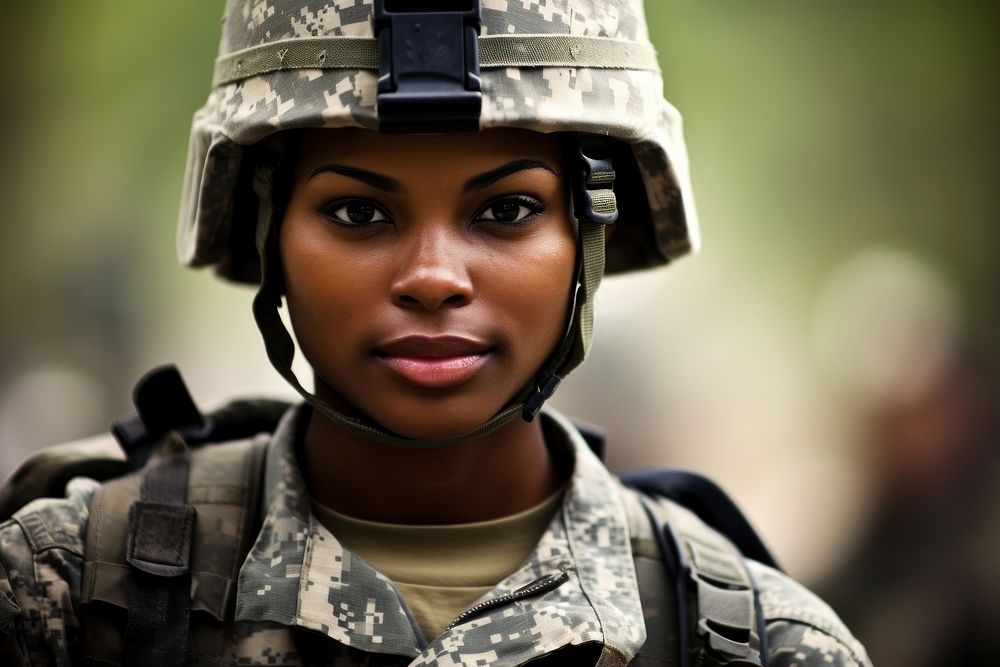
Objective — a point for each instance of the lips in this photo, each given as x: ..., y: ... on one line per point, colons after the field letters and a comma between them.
x: 434, y: 362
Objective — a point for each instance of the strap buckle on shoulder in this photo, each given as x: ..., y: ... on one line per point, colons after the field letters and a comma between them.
x: 728, y: 623
x: 726, y: 613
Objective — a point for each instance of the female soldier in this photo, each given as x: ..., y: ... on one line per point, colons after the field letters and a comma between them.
x: 419, y: 507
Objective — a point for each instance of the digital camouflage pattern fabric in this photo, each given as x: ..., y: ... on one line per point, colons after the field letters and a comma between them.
x: 302, y: 599
x: 218, y: 209
x: 801, y: 629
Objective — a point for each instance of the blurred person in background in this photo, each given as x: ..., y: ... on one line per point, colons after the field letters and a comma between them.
x: 920, y: 585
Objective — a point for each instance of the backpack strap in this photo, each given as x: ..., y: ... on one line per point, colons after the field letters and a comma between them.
x: 717, y: 616
x: 158, y: 551
x: 727, y: 626
x: 222, y: 487
x: 708, y: 501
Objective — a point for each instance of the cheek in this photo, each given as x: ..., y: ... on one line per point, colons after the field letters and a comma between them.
x: 327, y: 288
x: 539, y: 283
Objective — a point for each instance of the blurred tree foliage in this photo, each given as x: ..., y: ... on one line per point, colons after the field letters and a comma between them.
x: 98, y: 98
x: 818, y: 128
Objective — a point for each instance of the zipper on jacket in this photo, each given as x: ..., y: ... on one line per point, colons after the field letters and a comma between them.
x: 537, y: 587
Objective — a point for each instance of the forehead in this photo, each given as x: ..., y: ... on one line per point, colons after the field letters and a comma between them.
x: 402, y: 155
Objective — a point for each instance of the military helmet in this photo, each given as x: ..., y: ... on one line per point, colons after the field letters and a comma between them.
x: 584, y: 67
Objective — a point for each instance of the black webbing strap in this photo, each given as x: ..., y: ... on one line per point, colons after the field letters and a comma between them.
x: 158, y: 551
x: 712, y: 572
x: 709, y: 502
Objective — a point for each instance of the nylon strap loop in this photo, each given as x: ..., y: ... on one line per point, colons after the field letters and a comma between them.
x: 604, y: 201
x: 496, y: 51
x: 598, y: 177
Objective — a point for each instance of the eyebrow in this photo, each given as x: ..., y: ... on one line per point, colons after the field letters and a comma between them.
x: 390, y: 184
x: 370, y: 177
x: 493, y: 175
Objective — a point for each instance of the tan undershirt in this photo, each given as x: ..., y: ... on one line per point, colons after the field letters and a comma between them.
x: 441, y: 570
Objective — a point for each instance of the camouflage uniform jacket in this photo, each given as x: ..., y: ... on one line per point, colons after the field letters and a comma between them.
x: 302, y: 599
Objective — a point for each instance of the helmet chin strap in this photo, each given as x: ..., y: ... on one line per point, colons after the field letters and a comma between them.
x: 593, y: 205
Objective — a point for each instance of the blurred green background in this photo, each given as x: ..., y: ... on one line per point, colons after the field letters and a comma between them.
x: 845, y: 158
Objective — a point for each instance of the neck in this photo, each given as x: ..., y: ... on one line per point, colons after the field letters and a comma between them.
x: 495, y: 475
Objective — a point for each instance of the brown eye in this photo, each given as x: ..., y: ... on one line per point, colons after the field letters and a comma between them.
x: 354, y: 212
x: 511, y: 210
x: 506, y: 211
x: 360, y: 212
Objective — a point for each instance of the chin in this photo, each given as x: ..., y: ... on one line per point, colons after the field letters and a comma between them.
x: 440, y: 423
x: 418, y: 414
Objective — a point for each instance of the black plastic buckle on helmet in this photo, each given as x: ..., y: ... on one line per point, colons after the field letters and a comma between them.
x: 428, y: 65
x: 593, y: 186
x: 540, y: 394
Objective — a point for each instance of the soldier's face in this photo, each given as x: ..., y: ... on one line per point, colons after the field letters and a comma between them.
x: 427, y: 277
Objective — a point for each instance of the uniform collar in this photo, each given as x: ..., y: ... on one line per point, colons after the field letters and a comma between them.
x: 297, y: 574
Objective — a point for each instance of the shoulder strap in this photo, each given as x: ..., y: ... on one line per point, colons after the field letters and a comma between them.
x: 144, y: 548
x: 710, y: 571
x: 158, y: 551
x: 708, y: 501
x: 713, y: 588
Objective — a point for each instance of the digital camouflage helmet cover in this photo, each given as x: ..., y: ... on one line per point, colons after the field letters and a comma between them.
x: 584, y: 67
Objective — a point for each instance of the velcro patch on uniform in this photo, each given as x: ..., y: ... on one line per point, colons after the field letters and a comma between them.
x: 160, y: 537
x: 717, y: 565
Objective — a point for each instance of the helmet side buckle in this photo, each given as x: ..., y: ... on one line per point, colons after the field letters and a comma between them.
x: 593, y: 188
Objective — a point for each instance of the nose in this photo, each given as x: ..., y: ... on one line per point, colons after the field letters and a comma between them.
x: 433, y: 273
